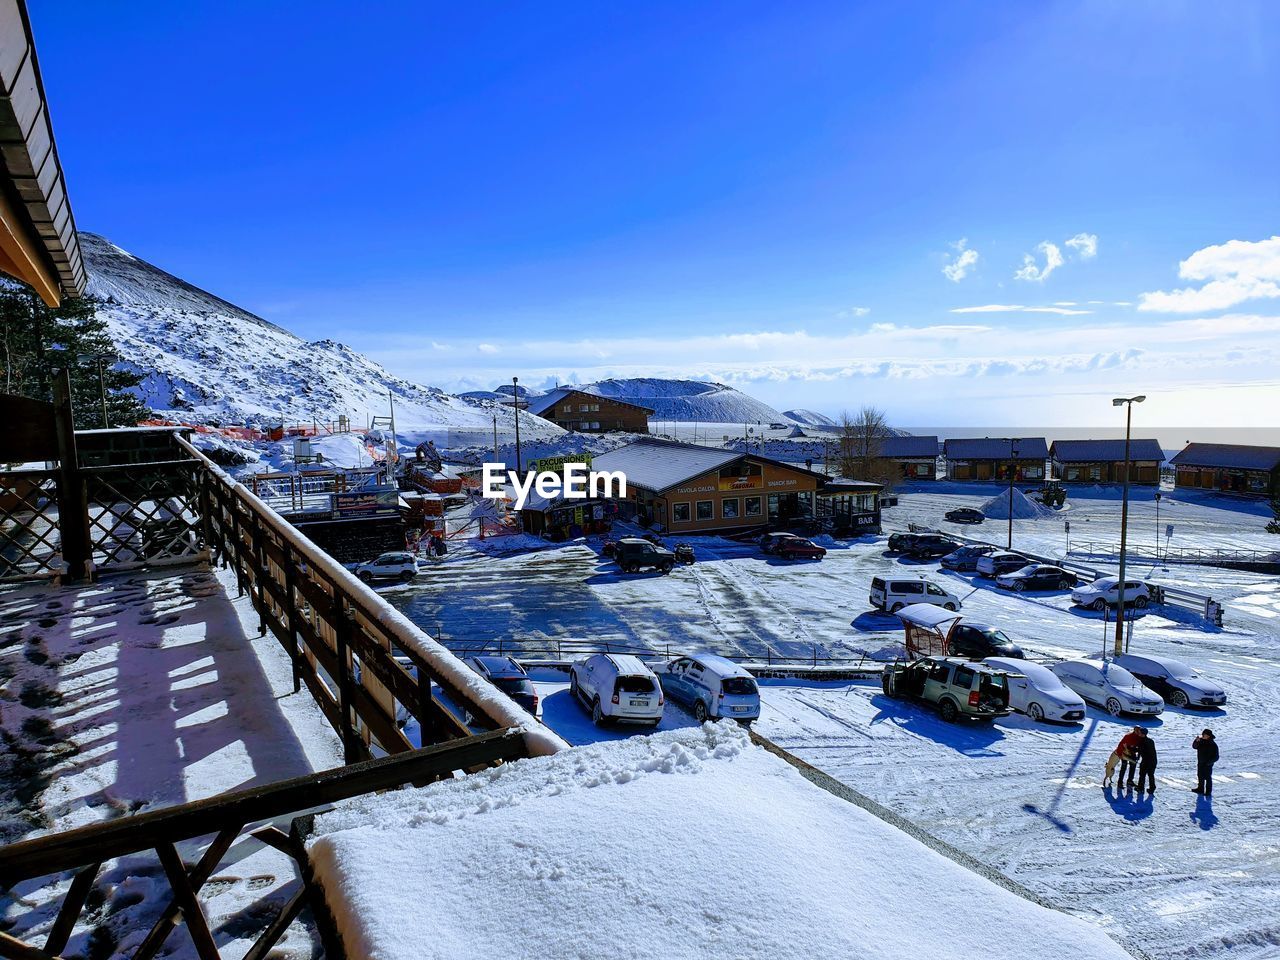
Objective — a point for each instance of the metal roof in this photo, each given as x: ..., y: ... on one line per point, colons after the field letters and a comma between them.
x: 1089, y: 451
x: 898, y: 447
x: 1234, y: 455
x: 926, y: 615
x: 838, y: 485
x: 538, y: 405
x: 38, y: 241
x: 658, y: 465
x: 996, y: 448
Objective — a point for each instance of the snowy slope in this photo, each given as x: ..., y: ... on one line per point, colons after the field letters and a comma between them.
x: 205, y: 359
x: 809, y: 418
x: 687, y: 400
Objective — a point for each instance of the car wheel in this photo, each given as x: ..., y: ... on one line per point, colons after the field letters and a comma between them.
x: 667, y: 568
x: 1035, y: 712
x: 1140, y: 602
x: 948, y: 711
x: 1178, y: 698
x: 1018, y: 586
x: 1099, y: 604
x: 365, y: 576
x: 1064, y: 584
x: 895, y: 608
x: 597, y: 715
x: 1113, y: 707
x: 949, y: 606
x: 574, y: 690
x: 886, y: 685
x: 406, y: 576
x: 700, y: 712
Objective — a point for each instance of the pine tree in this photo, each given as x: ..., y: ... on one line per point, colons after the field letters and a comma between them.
x: 36, y: 340
x: 1274, y: 525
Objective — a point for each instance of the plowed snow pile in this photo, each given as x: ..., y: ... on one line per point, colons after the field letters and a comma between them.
x: 690, y: 843
x: 997, y: 508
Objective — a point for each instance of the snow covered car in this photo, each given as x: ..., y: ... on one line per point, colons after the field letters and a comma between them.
x: 891, y: 594
x: 1175, y: 681
x: 959, y: 688
x: 1105, y: 592
x: 509, y: 677
x: 930, y: 546
x: 390, y: 566
x: 773, y: 542
x: 965, y: 515
x: 712, y: 687
x: 898, y: 542
x: 1038, y: 692
x: 634, y: 554
x: 1110, y: 686
x: 793, y: 548
x: 978, y: 641
x: 1037, y: 576
x: 617, y: 687
x: 966, y: 558
x: 1000, y: 562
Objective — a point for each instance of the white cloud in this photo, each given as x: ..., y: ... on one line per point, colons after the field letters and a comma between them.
x: 1059, y: 309
x: 1085, y: 245
x: 486, y: 348
x: 1065, y: 303
x: 1231, y: 272
x: 853, y: 312
x: 1031, y: 271
x: 963, y: 264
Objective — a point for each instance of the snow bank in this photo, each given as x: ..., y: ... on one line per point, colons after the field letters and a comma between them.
x: 691, y: 843
x: 997, y: 508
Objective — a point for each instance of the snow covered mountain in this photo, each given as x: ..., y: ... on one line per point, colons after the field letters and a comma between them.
x: 687, y: 400
x: 207, y: 360
x: 809, y: 418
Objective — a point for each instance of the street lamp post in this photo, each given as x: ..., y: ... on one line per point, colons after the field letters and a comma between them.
x: 1013, y: 473
x: 1127, y: 403
x: 1157, y: 526
x: 515, y: 405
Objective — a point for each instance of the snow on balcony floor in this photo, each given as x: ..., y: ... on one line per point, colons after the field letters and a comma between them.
x: 689, y: 843
x: 134, y: 693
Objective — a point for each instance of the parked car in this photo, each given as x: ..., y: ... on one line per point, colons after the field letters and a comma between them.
x: 617, y: 687
x: 899, y: 541
x: 930, y: 546
x: 772, y: 542
x: 1175, y: 681
x: 966, y: 558
x: 965, y: 515
x: 893, y: 593
x: 1038, y: 692
x: 390, y: 566
x: 958, y: 688
x: 509, y: 677
x: 1105, y: 592
x: 634, y: 554
x: 1000, y: 562
x: 1110, y: 686
x: 978, y: 641
x: 793, y: 548
x: 684, y: 553
x: 712, y: 687
x: 1038, y: 576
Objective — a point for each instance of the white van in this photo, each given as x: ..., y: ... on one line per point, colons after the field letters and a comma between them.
x: 712, y: 687
x: 894, y: 593
x: 617, y: 687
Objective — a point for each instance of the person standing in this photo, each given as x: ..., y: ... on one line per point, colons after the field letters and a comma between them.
x: 1146, y: 761
x: 1206, y: 748
x: 1128, y: 750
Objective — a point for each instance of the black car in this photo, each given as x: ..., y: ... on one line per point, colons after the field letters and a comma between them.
x: 930, y: 546
x: 509, y: 677
x: 978, y: 641
x: 899, y: 542
x: 1037, y: 576
x: 965, y: 515
x: 966, y: 558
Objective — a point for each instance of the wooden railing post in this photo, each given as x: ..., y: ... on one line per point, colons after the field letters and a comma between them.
x: 342, y: 626
x: 291, y: 613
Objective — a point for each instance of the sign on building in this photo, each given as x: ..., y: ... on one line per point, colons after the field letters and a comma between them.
x: 366, y: 503
x: 556, y: 464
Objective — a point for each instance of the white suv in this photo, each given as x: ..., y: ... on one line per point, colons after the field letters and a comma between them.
x: 1105, y: 592
x: 617, y: 687
x: 891, y: 594
x: 390, y: 566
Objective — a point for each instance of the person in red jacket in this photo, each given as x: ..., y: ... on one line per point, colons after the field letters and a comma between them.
x: 1128, y: 750
x: 1206, y: 748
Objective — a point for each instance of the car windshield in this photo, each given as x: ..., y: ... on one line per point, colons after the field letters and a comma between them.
x: 513, y: 684
x: 1105, y: 583
x: 997, y: 638
x: 1180, y: 670
x: 1119, y: 677
x: 1025, y: 572
x: 738, y: 686
x: 634, y: 685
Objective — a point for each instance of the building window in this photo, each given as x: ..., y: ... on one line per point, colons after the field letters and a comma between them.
x: 706, y: 509
x: 595, y: 424
x: 679, y: 513
x: 752, y: 507
x: 922, y: 469
x: 729, y: 508
x: 595, y: 408
x: 568, y: 409
x: 1095, y: 473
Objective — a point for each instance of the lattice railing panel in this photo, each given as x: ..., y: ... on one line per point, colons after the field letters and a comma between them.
x: 30, y: 544
x: 144, y: 513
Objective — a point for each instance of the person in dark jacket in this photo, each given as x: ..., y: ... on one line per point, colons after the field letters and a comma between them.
x: 1206, y: 748
x: 1146, y: 761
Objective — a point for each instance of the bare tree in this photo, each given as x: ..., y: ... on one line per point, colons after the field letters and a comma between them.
x: 862, y: 438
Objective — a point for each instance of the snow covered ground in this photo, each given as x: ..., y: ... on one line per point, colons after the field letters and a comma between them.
x: 135, y: 693
x: 1181, y: 877
x: 685, y: 844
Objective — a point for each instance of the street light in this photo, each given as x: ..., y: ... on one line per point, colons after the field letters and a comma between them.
x: 1157, y: 525
x: 515, y: 405
x: 1013, y: 473
x: 1127, y: 403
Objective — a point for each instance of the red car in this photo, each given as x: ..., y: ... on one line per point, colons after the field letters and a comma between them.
x: 794, y: 548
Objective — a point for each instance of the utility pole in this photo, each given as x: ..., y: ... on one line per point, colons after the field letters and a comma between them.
x: 1127, y: 403
x: 495, y: 438
x: 1013, y: 473
x: 1157, y: 524
x: 515, y: 406
x: 393, y: 452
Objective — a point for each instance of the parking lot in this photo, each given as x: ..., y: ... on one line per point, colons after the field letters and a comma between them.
x: 1178, y: 876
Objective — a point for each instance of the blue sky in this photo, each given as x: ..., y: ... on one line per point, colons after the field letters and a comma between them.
x: 793, y: 198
